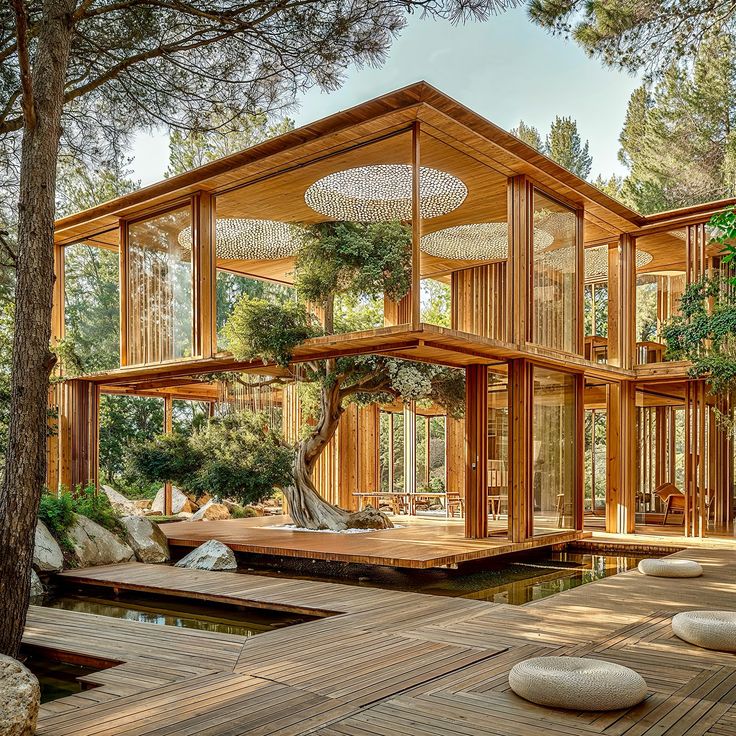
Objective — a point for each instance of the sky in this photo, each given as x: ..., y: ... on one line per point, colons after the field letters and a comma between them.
x: 506, y: 69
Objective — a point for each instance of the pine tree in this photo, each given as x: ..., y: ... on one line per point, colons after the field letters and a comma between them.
x: 679, y: 136
x: 529, y: 134
x: 564, y: 145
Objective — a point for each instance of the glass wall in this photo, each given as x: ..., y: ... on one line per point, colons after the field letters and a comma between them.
x: 554, y: 282
x: 554, y: 451
x: 160, y: 288
x: 92, y: 305
x: 465, y: 241
x: 357, y: 201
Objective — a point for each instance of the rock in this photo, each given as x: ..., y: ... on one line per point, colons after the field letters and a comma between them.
x: 47, y: 555
x: 211, y: 555
x: 36, y: 586
x: 94, y: 545
x: 20, y: 696
x: 143, y: 504
x: 368, y: 518
x: 179, y: 502
x: 147, y: 540
x: 120, y: 503
x: 211, y: 511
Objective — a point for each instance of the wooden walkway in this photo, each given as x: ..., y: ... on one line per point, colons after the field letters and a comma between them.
x: 389, y: 663
x: 419, y: 543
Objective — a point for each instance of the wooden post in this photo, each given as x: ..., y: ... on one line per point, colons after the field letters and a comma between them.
x: 520, y: 214
x: 621, y: 451
x: 410, y: 448
x: 205, y: 276
x: 476, y: 443
x: 124, y: 290
x: 57, y: 309
x: 168, y: 429
x: 614, y: 304
x: 416, y: 226
x: 520, y: 484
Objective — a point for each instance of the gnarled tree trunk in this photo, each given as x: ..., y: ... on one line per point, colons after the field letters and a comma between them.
x: 307, y: 508
x: 25, y: 463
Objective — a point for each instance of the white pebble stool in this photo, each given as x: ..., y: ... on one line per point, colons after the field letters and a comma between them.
x: 707, y: 629
x: 576, y: 683
x: 670, y: 568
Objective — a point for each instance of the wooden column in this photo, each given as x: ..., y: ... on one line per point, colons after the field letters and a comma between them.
x: 521, y: 507
x: 416, y: 227
x: 123, y: 279
x: 622, y: 303
x: 696, y: 520
x: 205, y: 275
x: 168, y: 429
x: 476, y: 452
x: 520, y: 215
x: 621, y: 451
x: 57, y: 308
x: 410, y: 448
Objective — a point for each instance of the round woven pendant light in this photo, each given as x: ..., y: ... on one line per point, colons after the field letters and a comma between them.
x: 382, y: 193
x: 251, y: 240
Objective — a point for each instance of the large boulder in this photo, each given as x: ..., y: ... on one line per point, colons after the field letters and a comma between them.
x: 179, y: 502
x: 20, y: 696
x: 36, y: 587
x: 211, y: 511
x: 120, y: 503
x: 368, y: 518
x: 147, y: 540
x: 211, y: 555
x: 47, y: 555
x: 94, y: 545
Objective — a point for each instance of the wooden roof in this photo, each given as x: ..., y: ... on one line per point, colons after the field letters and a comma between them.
x: 470, y: 138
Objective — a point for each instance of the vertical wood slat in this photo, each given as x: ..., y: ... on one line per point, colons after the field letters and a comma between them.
x: 205, y: 291
x: 124, y: 290
x: 476, y: 442
x: 518, y: 293
x: 621, y: 449
x: 168, y: 429
x: 478, y: 300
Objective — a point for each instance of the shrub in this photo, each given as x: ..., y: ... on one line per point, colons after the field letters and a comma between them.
x: 57, y: 513
x: 97, y: 507
x: 243, y: 512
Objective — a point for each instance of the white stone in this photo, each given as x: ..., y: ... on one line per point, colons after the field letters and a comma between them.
x: 20, y: 696
x: 146, y: 538
x: 211, y: 511
x: 36, y: 586
x: 120, y: 503
x: 707, y: 629
x: 47, y: 555
x: 94, y: 545
x: 670, y: 567
x: 576, y: 683
x: 211, y: 555
x: 179, y: 502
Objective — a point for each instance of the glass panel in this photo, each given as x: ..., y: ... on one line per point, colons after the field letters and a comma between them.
x: 421, y: 454
x: 595, y: 461
x: 160, y: 288
x: 554, y: 280
x: 385, y: 451
x: 398, y: 452
x: 464, y: 250
x: 660, y: 281
x: 365, y: 191
x: 437, y: 453
x: 553, y: 447
x: 92, y: 306
x: 498, y: 452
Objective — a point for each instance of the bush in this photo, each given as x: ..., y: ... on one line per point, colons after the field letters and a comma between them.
x: 57, y: 513
x: 243, y: 512
x: 97, y: 507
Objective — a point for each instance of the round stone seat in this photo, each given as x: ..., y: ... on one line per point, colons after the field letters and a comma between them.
x: 707, y: 629
x: 670, y: 568
x: 576, y: 683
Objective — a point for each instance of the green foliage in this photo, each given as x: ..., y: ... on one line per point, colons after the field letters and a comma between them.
x: 365, y: 259
x: 637, y: 34
x: 266, y: 330
x: 564, y: 145
x: 57, y: 513
x: 234, y: 456
x: 96, y: 506
x: 436, y: 302
x: 678, y: 140
x: 529, y: 134
x: 243, y: 512
x: 725, y: 225
x: 705, y: 330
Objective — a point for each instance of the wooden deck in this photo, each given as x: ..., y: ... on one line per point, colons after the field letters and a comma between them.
x: 392, y: 663
x: 419, y: 543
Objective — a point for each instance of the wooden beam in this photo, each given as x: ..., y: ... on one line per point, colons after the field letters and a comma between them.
x: 416, y: 226
x: 476, y: 443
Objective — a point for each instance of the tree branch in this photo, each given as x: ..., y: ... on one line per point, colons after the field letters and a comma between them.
x: 24, y: 64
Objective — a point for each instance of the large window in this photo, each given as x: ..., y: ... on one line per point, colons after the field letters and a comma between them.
x: 160, y: 288
x: 554, y: 451
x: 554, y: 275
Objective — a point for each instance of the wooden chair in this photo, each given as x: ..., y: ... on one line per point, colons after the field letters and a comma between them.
x: 455, y: 502
x: 673, y: 499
